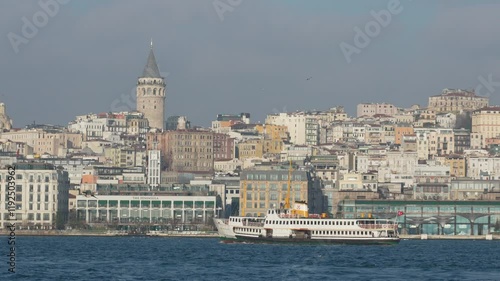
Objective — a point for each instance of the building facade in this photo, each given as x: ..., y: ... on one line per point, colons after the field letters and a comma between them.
x: 456, y: 100
x: 486, y: 123
x: 370, y: 109
x: 126, y: 210
x: 41, y: 196
x: 262, y: 188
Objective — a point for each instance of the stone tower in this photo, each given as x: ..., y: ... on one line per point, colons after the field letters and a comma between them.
x: 5, y: 122
x: 151, y: 93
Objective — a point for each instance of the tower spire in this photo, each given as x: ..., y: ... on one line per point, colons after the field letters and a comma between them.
x: 151, y: 69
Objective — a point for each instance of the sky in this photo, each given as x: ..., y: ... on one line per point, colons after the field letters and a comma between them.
x: 74, y: 57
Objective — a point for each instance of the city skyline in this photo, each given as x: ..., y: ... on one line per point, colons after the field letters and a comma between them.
x: 221, y: 58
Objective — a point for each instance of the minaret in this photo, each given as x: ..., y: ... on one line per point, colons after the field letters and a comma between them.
x: 151, y: 93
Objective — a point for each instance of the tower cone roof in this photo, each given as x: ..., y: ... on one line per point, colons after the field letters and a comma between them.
x: 151, y: 69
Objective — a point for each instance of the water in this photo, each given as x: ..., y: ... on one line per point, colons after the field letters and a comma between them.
x: 143, y: 258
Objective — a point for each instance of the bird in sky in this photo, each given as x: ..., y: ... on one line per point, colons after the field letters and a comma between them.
x: 309, y: 78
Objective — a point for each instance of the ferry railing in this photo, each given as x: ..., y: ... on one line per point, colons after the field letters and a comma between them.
x: 379, y: 226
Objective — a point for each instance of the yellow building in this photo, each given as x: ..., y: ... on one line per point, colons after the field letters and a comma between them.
x: 250, y: 149
x: 271, y: 131
x: 486, y: 122
x: 262, y: 188
x: 272, y: 146
x: 457, y: 165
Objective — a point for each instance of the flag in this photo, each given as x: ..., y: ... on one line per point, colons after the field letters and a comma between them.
x: 400, y: 213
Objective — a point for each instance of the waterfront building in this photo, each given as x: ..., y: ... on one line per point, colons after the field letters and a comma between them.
x: 151, y: 92
x: 456, y: 100
x: 265, y: 187
x: 136, y: 210
x: 429, y: 217
x: 228, y: 188
x: 41, y: 196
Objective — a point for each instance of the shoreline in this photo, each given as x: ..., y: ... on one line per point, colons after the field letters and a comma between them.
x: 202, y: 234
x: 187, y: 234
x: 450, y: 237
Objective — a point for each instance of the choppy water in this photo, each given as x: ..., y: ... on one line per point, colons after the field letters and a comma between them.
x: 137, y: 258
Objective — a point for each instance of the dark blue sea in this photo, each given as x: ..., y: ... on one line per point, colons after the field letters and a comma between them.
x: 153, y: 258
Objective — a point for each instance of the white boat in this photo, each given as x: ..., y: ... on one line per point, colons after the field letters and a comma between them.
x: 295, y: 225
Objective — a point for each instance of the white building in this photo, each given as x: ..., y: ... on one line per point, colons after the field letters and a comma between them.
x: 295, y: 123
x: 446, y: 120
x: 41, y: 196
x: 483, y: 168
x: 154, y: 167
x: 125, y: 209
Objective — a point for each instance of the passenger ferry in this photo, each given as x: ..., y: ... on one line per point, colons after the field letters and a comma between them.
x: 296, y: 225
x: 293, y: 224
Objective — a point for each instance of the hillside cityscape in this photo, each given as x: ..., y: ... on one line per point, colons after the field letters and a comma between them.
x: 138, y: 171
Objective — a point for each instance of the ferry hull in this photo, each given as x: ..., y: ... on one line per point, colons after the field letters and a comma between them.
x: 342, y: 241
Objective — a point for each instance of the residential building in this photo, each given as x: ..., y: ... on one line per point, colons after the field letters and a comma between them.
x: 399, y: 131
x: 370, y: 109
x: 41, y: 196
x: 456, y: 100
x: 265, y: 187
x: 485, y: 124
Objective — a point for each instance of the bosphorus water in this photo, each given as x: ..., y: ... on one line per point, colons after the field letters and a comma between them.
x: 149, y: 258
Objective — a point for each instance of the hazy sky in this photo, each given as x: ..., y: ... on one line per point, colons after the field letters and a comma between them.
x: 254, y: 56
